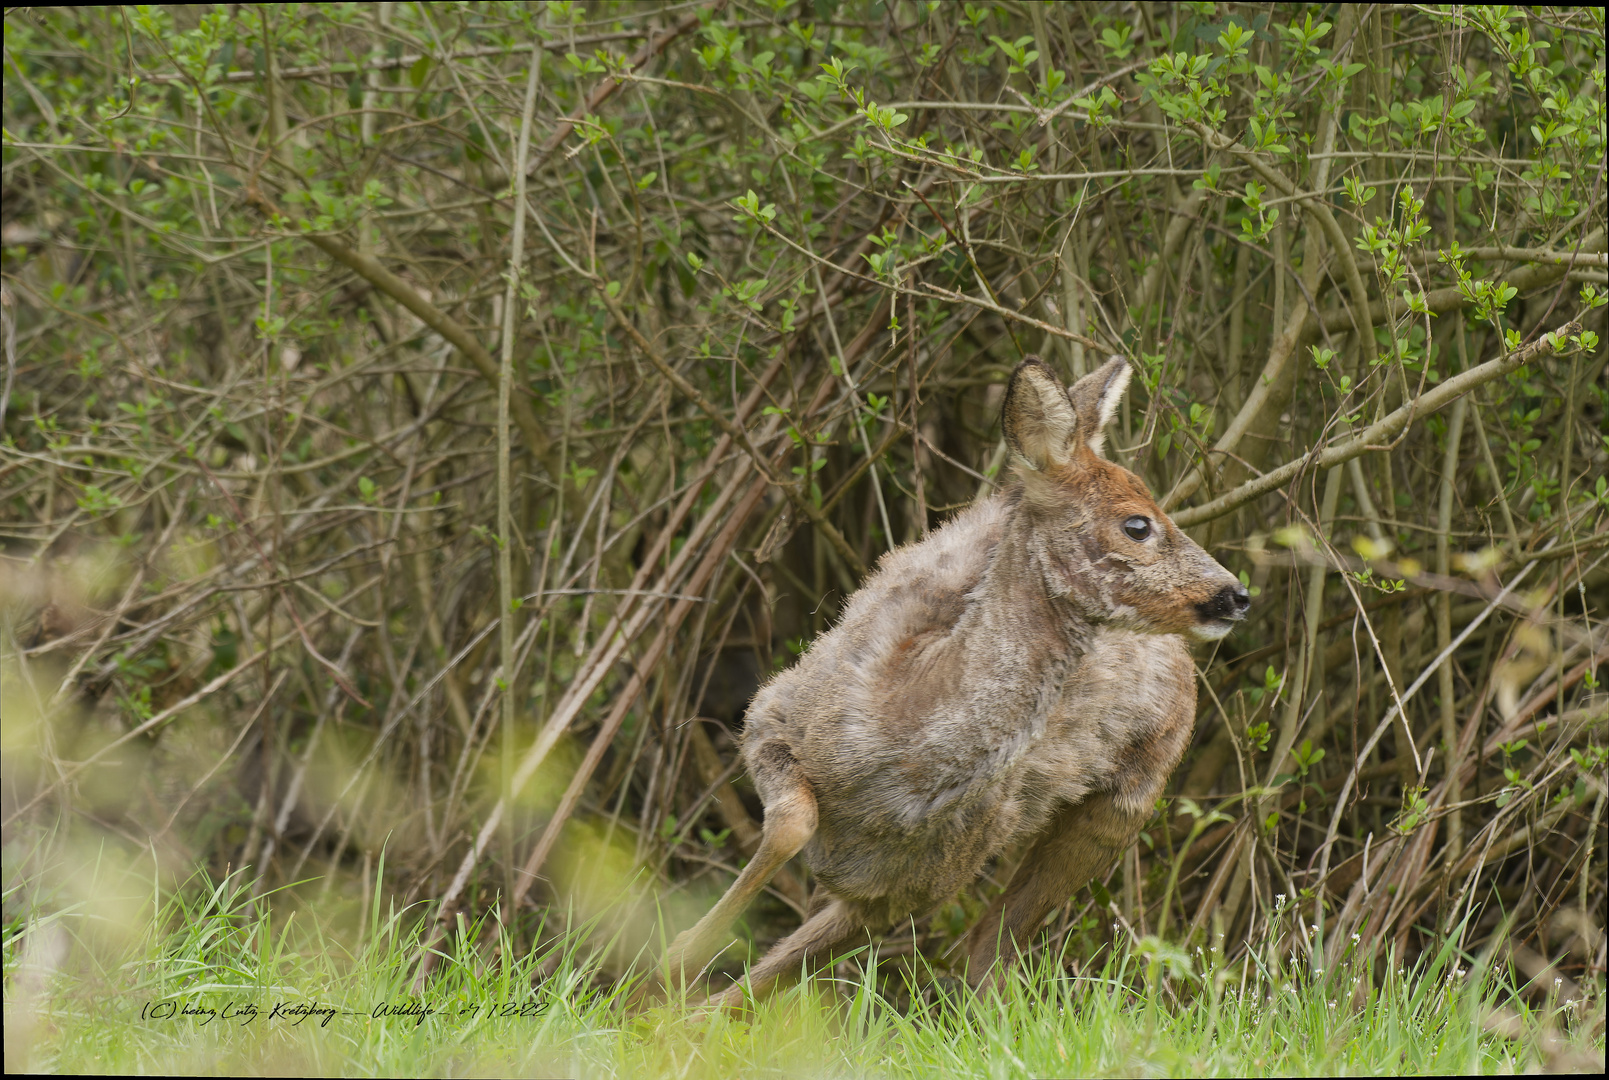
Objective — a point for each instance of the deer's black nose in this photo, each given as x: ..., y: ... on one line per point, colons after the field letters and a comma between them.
x: 1229, y: 602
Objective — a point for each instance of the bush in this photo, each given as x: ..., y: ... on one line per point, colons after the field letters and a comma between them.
x: 415, y: 416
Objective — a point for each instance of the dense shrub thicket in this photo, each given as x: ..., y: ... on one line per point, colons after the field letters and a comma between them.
x: 425, y: 425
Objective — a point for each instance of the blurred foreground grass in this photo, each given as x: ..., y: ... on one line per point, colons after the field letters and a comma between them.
x: 206, y: 979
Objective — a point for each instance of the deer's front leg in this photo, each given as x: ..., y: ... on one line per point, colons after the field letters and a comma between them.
x: 1080, y: 842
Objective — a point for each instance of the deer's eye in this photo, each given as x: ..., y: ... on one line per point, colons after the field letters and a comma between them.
x: 1137, y: 528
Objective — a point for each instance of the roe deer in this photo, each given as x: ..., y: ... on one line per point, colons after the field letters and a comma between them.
x: 1016, y: 676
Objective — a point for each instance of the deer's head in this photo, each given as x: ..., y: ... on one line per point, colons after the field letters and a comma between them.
x: 1103, y: 543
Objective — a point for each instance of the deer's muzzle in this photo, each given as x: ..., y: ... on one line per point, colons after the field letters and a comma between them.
x: 1226, y: 606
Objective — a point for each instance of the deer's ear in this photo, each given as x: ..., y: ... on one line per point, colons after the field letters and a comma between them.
x: 1095, y: 399
x: 1038, y: 418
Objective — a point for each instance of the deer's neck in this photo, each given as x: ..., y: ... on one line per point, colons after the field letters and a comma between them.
x: 1021, y: 642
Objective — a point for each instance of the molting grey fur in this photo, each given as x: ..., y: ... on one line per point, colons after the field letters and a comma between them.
x: 1017, y: 677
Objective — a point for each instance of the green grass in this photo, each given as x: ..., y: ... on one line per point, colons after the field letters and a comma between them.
x: 77, y: 981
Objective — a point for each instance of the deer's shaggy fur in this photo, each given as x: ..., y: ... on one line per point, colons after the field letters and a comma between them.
x: 1018, y: 676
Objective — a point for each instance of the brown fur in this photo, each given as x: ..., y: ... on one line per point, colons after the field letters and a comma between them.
x: 1014, y: 678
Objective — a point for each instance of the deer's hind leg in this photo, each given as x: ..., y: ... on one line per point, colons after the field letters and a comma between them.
x: 790, y: 821
x: 801, y: 951
x: 1081, y: 840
